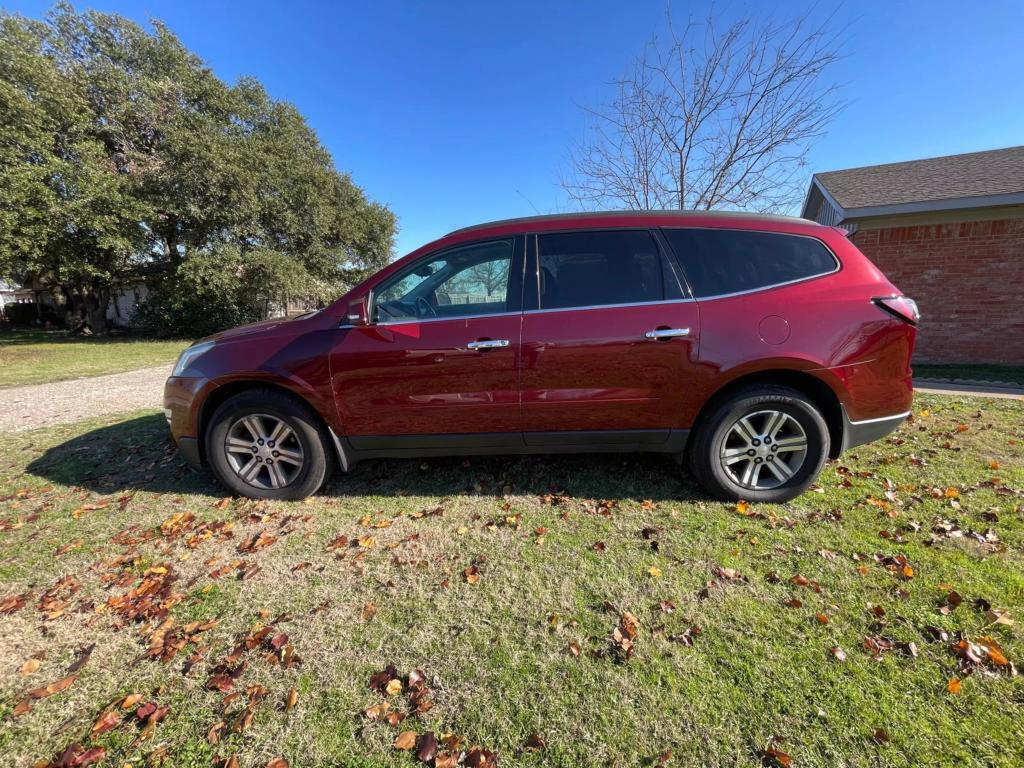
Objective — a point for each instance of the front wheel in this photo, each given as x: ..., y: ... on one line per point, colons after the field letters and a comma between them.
x: 265, y: 444
x: 764, y: 443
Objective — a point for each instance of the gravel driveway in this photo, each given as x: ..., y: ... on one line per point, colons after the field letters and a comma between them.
x: 41, y: 405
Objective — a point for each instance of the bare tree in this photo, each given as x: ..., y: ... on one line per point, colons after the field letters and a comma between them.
x: 711, y: 119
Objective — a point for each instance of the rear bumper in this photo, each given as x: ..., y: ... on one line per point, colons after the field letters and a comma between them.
x: 868, y: 430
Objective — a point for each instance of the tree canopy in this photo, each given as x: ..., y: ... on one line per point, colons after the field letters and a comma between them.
x: 122, y: 155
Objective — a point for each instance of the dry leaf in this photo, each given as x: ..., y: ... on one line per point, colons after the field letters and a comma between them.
x: 30, y: 666
x: 406, y: 740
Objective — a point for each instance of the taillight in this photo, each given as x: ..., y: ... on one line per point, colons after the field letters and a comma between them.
x: 901, y: 306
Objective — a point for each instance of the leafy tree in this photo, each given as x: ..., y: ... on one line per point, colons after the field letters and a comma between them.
x: 122, y: 154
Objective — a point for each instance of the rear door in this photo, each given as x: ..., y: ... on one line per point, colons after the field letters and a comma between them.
x: 609, y: 339
x: 437, y: 366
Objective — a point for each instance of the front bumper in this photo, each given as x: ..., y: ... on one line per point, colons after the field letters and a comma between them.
x: 188, y: 447
x: 868, y: 430
x: 182, y: 414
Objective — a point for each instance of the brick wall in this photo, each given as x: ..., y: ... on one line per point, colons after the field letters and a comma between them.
x: 967, y: 278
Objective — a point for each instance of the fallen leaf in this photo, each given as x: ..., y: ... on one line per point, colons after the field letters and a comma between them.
x: 277, y: 762
x: 393, y: 687
x: 108, y: 721
x: 406, y: 740
x: 30, y: 666
x: 953, y: 686
x: 428, y: 747
x: 838, y: 653
x: 291, y: 699
x: 535, y: 743
x: 655, y: 571
x: 369, y: 611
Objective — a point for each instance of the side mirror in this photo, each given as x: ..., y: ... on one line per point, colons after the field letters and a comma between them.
x: 358, y: 313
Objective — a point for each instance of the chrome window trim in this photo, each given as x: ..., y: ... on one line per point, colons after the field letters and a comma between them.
x: 439, y: 319
x: 836, y: 259
x: 609, y: 306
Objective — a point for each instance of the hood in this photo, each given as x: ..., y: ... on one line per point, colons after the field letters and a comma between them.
x: 253, y: 328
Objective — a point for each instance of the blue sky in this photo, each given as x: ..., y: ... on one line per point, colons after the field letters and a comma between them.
x: 453, y: 113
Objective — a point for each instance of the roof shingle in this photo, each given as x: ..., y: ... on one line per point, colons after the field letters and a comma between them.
x: 995, y: 172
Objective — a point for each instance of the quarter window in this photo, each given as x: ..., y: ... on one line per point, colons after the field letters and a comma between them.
x: 580, y: 269
x: 723, y: 261
x: 471, y: 280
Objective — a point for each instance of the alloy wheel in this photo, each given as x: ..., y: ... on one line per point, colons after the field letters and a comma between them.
x: 763, y: 450
x: 263, y: 451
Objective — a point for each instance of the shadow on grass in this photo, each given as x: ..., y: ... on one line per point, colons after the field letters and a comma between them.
x: 137, y: 454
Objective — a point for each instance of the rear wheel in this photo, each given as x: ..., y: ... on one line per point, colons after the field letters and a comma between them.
x: 764, y: 443
x: 265, y: 444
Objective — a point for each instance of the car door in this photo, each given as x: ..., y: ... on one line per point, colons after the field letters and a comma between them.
x: 609, y: 339
x: 437, y: 365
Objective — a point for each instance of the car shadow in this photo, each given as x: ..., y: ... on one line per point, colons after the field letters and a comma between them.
x: 138, y: 454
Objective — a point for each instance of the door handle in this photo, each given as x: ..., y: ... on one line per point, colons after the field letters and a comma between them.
x: 488, y: 344
x: 666, y: 333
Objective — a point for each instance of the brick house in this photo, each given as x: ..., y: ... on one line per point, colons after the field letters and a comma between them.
x: 949, y: 231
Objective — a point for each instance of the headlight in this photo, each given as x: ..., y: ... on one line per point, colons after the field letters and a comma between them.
x: 190, y: 355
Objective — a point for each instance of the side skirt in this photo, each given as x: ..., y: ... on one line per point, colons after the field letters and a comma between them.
x: 354, y: 449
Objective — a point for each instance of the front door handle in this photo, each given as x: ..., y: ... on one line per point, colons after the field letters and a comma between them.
x: 488, y: 344
x: 666, y: 333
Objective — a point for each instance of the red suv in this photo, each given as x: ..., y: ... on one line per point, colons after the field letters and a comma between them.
x: 753, y: 346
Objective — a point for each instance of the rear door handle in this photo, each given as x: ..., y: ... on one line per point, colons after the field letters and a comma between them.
x: 488, y: 344
x: 666, y: 333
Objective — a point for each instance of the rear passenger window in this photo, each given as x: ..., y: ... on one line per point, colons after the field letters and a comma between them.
x: 584, y: 269
x: 722, y: 261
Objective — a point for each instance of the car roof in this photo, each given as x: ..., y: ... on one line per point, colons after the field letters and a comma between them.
x: 649, y: 218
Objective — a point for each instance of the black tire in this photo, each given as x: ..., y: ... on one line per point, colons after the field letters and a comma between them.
x: 713, y: 431
x: 309, y: 432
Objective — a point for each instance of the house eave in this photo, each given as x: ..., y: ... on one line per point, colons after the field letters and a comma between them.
x: 932, y: 206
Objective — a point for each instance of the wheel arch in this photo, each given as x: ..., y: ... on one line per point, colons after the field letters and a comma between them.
x: 223, y: 392
x: 818, y: 391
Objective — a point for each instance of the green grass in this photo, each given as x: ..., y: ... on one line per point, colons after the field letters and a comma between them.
x: 1013, y: 373
x: 496, y: 654
x: 35, y: 357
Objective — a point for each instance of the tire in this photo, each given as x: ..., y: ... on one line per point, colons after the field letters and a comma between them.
x: 720, y: 452
x: 293, y: 467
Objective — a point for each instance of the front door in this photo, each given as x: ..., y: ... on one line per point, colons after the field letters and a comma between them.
x: 609, y: 340
x: 438, y: 362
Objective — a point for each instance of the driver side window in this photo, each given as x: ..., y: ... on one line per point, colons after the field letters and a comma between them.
x: 469, y: 280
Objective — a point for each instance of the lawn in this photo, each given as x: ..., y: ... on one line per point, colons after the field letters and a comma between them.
x: 557, y: 611
x: 34, y: 357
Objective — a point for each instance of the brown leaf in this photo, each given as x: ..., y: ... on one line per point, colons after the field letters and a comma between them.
x: 369, y: 611
x: 471, y: 574
x: 131, y: 700
x: 535, y: 743
x: 777, y: 757
x: 406, y: 740
x: 446, y: 760
x: 52, y: 688
x: 291, y: 700
x: 953, y: 686
x: 108, y: 721
x: 12, y: 603
x: 880, y: 736
x: 30, y: 666
x: 838, y: 652
x: 428, y: 747
x: 277, y: 762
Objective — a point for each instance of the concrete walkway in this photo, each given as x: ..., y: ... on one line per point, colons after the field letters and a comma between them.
x: 41, y: 405
x: 974, y: 390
